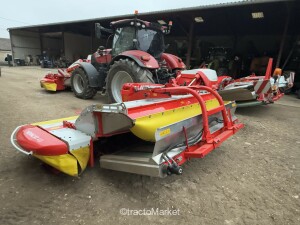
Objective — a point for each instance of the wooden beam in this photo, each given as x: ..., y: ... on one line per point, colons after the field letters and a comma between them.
x: 190, y: 45
x: 41, y: 43
x: 178, y: 22
x: 283, y: 39
x: 91, y: 37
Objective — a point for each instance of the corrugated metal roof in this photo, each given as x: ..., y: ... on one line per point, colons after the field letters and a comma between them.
x: 219, y: 4
x: 200, y: 7
x: 5, y: 44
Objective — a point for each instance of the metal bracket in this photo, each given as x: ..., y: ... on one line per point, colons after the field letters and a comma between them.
x: 115, y: 108
x: 13, y: 142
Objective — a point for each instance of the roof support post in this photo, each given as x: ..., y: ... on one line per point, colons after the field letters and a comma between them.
x: 283, y: 38
x: 63, y: 42
x: 91, y: 37
x: 41, y: 43
x: 190, y: 45
x: 12, y: 47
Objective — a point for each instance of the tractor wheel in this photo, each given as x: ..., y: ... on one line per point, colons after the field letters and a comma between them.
x: 80, y: 85
x: 125, y: 71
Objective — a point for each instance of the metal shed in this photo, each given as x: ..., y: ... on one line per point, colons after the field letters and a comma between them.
x: 272, y: 25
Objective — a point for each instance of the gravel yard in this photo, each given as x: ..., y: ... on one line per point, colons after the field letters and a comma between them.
x: 253, y: 178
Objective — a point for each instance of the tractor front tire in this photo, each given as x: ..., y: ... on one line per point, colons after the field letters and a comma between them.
x: 80, y: 85
x: 125, y: 71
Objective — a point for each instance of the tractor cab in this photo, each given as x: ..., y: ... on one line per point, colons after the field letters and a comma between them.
x: 135, y: 34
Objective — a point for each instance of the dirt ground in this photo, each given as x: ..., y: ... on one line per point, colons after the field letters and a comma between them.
x: 253, y: 178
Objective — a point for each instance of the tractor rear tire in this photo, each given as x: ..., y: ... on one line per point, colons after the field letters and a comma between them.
x: 80, y: 85
x: 125, y: 71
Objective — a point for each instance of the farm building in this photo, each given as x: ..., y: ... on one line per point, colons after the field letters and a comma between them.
x: 246, y: 29
x: 5, y: 49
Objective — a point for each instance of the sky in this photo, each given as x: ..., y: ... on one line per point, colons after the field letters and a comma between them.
x: 18, y: 13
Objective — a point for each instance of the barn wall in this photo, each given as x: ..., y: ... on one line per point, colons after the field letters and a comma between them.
x: 76, y: 46
x: 53, y: 46
x: 25, y: 43
x: 248, y: 45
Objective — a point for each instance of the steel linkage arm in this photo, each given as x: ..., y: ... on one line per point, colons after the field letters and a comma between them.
x: 218, y: 97
x: 192, y: 90
x: 269, y: 70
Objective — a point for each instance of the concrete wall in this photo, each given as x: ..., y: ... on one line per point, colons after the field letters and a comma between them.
x: 25, y: 43
x: 76, y: 46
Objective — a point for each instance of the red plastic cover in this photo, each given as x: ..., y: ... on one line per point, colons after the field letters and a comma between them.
x: 39, y: 141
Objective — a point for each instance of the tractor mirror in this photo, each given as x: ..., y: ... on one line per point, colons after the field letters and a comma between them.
x: 98, y: 30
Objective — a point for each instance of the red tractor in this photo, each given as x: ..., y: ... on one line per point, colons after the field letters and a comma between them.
x: 137, y: 56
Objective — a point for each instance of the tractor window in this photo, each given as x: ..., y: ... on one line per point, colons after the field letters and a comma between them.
x: 123, y: 40
x: 150, y: 41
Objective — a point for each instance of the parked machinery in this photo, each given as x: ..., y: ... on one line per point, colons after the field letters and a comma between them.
x: 137, y: 55
x: 292, y: 66
x: 247, y: 91
x: 218, y: 60
x: 46, y: 61
x: 29, y: 60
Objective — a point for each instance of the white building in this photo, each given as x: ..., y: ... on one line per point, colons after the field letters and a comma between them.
x: 5, y: 48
